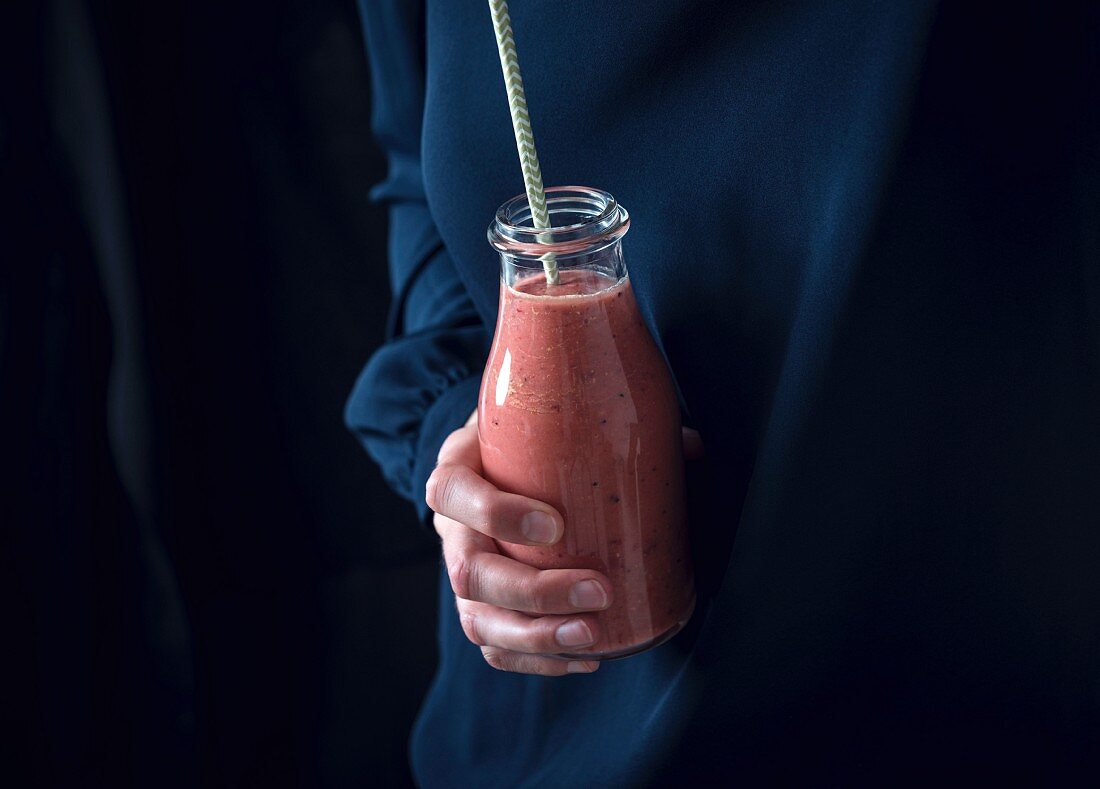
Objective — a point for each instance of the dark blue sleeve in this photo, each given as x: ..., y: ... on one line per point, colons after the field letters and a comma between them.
x: 423, y: 382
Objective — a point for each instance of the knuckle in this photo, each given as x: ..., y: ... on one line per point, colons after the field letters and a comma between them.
x: 460, y: 572
x: 540, y: 594
x: 496, y: 658
x: 469, y: 622
x: 484, y: 509
x: 437, y: 490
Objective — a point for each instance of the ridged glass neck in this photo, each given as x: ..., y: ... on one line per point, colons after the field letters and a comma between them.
x: 586, y: 228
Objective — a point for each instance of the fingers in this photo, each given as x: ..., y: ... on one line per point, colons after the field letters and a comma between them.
x: 479, y: 573
x: 693, y: 445
x: 492, y: 590
x: 518, y: 662
x: 489, y: 626
x: 459, y: 492
x: 456, y: 490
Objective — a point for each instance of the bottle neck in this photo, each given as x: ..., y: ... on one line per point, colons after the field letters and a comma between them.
x: 606, y: 262
x: 587, y: 226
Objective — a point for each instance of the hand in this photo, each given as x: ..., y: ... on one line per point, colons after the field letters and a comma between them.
x: 515, y: 613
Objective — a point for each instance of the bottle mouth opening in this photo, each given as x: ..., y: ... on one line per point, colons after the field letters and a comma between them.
x: 582, y: 220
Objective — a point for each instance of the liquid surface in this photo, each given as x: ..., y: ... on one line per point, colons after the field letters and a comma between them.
x: 578, y: 409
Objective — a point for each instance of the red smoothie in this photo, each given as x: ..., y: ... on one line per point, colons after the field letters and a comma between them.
x: 578, y: 409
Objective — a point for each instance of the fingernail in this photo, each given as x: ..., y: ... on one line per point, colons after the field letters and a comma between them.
x: 588, y: 594
x: 582, y: 667
x: 574, y: 633
x: 539, y: 527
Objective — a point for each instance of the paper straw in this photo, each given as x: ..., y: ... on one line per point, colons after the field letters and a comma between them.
x: 521, y: 125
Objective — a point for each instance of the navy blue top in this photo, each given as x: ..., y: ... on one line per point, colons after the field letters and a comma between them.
x: 866, y: 235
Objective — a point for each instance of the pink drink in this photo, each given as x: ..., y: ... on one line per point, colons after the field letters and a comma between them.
x: 578, y: 409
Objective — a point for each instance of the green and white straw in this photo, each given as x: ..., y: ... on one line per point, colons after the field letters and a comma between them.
x: 521, y: 125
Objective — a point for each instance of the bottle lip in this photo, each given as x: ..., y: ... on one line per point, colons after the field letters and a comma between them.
x: 600, y: 221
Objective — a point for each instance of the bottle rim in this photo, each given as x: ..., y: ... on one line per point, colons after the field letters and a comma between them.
x: 599, y: 220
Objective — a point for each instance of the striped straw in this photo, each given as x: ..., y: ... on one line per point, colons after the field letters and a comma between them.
x: 521, y: 125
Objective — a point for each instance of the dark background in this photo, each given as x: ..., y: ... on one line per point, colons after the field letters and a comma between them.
x: 205, y: 581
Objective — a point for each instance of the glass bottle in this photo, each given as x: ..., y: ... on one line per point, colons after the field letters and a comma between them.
x: 578, y: 409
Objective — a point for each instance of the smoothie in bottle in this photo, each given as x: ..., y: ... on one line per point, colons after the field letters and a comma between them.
x: 578, y: 409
